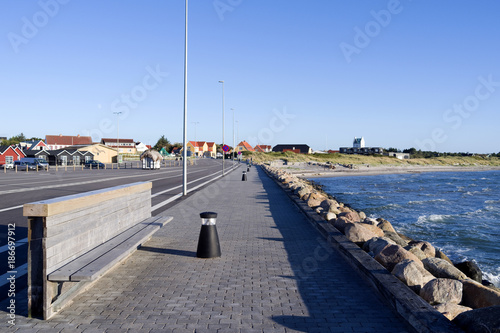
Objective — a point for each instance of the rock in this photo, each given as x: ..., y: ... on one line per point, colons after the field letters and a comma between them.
x: 377, y: 244
x: 412, y: 274
x: 405, y: 238
x: 440, y: 290
x: 315, y: 199
x: 396, y: 238
x: 440, y: 268
x: 340, y: 223
x: 327, y: 203
x: 471, y: 269
x: 319, y: 210
x: 441, y: 255
x: 451, y: 310
x: 478, y: 296
x: 391, y: 255
x: 360, y: 233
x: 416, y: 251
x: 351, y: 216
x: 484, y: 320
x: 303, y: 192
x: 385, y: 225
x: 425, y: 247
x: 362, y: 215
x: 330, y: 216
x: 371, y: 221
x: 344, y: 209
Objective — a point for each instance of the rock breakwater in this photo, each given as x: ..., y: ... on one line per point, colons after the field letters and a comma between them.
x: 455, y: 290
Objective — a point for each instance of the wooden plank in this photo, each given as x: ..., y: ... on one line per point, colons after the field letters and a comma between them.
x: 72, y: 202
x: 94, y: 263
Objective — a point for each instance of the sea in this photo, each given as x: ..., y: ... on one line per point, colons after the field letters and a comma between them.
x: 457, y: 212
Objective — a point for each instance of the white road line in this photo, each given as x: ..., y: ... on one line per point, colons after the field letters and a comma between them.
x: 10, y: 208
x: 20, y: 242
x: 20, y: 271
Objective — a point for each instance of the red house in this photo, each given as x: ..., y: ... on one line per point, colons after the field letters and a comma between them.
x: 9, y: 154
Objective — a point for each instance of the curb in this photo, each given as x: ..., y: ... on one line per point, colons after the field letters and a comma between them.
x: 417, y: 312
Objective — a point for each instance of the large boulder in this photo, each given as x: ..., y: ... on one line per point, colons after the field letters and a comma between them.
x: 360, y: 233
x: 478, y: 296
x: 303, y: 192
x: 412, y: 274
x: 451, y: 310
x: 425, y: 247
x: 439, y: 291
x: 315, y: 199
x: 471, y: 269
x: 340, y: 223
x: 442, y: 269
x: 370, y: 220
x: 328, y: 203
x: 377, y: 244
x: 440, y: 254
x: 416, y: 251
x: 396, y: 238
x: 385, y: 225
x: 330, y: 216
x: 484, y: 320
x: 391, y: 255
x: 351, y: 216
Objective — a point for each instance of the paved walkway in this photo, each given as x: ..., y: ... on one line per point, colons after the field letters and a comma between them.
x: 276, y: 274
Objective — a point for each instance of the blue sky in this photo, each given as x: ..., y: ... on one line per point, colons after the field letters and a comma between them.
x: 403, y: 74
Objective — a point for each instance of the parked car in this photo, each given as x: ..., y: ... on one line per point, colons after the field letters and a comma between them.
x: 9, y: 165
x: 40, y: 162
x: 94, y: 164
x: 23, y: 165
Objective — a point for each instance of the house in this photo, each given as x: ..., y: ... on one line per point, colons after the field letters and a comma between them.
x: 399, y: 156
x: 358, y: 147
x: 19, y: 151
x: 34, y: 145
x: 126, y: 146
x: 212, y: 150
x: 263, y: 148
x: 101, y: 153
x: 60, y: 141
x: 244, y: 146
x: 299, y: 148
x: 42, y: 153
x: 196, y: 148
x: 9, y: 154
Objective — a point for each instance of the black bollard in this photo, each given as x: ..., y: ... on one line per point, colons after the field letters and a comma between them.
x: 244, y: 177
x: 208, y: 243
x: 248, y: 169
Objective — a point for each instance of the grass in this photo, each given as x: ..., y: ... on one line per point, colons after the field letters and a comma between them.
x: 373, y: 160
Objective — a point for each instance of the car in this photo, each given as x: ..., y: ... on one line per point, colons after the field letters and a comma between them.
x: 9, y: 165
x: 40, y: 162
x: 94, y: 164
x: 23, y: 165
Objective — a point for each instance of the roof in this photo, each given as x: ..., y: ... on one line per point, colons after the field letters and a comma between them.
x: 197, y: 143
x: 152, y: 154
x: 262, y: 148
x: 115, y: 140
x: 357, y: 140
x: 67, y: 140
x: 302, y: 147
x: 246, y: 145
x: 3, y: 149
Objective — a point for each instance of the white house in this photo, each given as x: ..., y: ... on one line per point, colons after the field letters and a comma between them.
x: 358, y: 143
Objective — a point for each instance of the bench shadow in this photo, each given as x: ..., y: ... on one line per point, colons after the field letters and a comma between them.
x: 168, y: 251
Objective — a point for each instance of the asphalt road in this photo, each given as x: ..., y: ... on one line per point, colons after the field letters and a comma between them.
x: 19, y: 188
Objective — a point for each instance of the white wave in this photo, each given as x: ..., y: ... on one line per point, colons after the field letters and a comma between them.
x: 486, y: 189
x: 432, y: 218
x: 421, y: 202
x: 493, y: 278
x: 492, y: 201
x: 377, y: 197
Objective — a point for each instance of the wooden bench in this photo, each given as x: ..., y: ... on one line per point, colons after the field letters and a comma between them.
x: 74, y: 240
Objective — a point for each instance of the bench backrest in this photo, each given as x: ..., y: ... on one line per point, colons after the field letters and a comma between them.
x: 72, y: 225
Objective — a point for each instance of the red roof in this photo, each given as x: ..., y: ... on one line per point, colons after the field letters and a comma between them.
x: 67, y: 140
x: 246, y: 145
x: 121, y: 141
x: 263, y: 148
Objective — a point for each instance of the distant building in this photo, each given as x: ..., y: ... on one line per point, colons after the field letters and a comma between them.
x: 400, y: 156
x: 263, y: 148
x: 60, y: 141
x: 9, y: 154
x: 101, y: 153
x: 358, y: 147
x: 299, y: 148
x: 125, y: 146
x: 244, y: 146
x: 201, y: 148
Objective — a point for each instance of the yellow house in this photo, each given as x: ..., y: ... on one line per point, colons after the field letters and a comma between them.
x: 212, y: 149
x: 102, y: 153
x: 197, y: 148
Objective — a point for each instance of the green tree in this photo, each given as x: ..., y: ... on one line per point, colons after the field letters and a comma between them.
x: 163, y: 143
x: 14, y: 140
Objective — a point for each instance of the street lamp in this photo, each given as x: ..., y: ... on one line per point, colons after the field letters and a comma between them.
x: 223, y: 153
x: 234, y: 147
x: 118, y: 113
x: 184, y: 143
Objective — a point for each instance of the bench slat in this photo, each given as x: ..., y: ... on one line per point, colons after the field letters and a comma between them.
x: 94, y: 263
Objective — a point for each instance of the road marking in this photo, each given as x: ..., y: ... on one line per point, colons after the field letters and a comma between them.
x: 20, y: 271
x: 20, y: 242
x: 10, y: 208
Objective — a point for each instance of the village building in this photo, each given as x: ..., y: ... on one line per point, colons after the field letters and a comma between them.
x: 263, y: 148
x: 10, y: 154
x: 101, y: 153
x: 244, y: 146
x: 125, y: 146
x: 298, y: 148
x: 60, y: 141
x: 359, y: 147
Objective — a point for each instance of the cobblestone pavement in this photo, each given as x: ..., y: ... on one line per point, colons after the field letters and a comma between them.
x: 276, y: 274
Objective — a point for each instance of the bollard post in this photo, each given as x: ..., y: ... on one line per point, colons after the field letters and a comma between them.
x: 208, y: 242
x: 244, y: 176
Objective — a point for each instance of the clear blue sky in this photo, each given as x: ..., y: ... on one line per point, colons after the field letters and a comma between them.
x: 423, y: 74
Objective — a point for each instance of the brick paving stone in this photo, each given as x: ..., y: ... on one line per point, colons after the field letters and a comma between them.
x: 276, y: 274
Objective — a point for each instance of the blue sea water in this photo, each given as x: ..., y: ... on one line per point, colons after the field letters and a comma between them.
x: 457, y: 212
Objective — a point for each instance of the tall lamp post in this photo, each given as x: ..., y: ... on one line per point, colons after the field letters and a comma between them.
x: 234, y: 147
x: 184, y: 142
x: 223, y: 152
x: 118, y: 113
